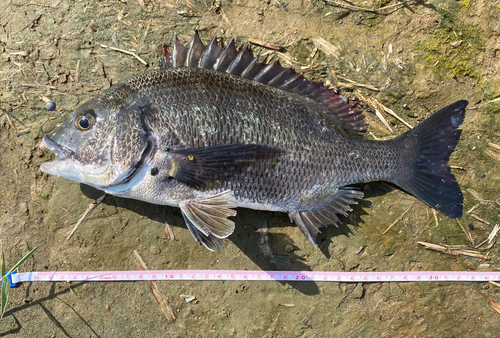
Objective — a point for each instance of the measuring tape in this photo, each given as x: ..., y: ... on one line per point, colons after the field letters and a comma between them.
x: 255, y: 275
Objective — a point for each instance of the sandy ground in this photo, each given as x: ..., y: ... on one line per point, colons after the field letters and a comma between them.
x: 421, y: 56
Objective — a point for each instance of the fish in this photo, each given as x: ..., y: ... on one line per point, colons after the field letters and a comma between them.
x: 213, y: 129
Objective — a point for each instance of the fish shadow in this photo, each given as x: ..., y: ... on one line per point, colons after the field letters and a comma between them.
x: 283, y: 255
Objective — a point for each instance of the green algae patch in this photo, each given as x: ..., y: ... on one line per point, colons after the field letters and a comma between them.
x: 450, y: 53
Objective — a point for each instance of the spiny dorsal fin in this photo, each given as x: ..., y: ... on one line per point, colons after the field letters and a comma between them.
x: 242, y: 63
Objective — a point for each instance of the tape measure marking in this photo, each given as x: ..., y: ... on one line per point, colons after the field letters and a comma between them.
x: 256, y: 275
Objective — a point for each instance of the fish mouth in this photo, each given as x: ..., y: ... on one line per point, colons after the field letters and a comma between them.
x: 61, y: 153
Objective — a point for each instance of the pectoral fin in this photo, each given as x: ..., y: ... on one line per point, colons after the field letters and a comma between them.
x: 207, y: 218
x: 201, y: 167
x: 309, y: 222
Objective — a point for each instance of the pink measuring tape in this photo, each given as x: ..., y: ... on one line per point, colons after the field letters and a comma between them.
x: 255, y: 275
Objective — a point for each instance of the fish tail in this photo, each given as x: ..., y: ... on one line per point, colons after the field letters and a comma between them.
x: 431, y: 179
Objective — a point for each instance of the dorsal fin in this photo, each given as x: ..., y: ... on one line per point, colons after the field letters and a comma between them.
x: 242, y: 63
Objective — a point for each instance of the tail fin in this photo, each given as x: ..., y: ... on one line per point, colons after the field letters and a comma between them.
x: 432, y: 181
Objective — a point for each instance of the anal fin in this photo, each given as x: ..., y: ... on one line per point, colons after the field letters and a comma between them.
x: 210, y: 242
x: 207, y: 218
x: 309, y: 222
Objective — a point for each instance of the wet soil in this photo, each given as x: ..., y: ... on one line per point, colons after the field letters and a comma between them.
x: 421, y: 55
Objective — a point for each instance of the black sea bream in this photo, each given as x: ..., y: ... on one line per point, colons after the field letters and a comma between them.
x: 214, y: 129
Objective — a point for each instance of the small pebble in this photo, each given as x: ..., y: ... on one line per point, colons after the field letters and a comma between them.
x: 50, y: 105
x: 288, y: 248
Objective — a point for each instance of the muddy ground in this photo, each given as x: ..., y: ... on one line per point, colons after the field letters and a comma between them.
x: 421, y: 55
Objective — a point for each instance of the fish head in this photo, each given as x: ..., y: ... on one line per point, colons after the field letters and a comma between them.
x: 105, y: 142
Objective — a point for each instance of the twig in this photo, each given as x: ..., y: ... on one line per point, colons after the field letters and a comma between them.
x: 264, y: 44
x: 454, y: 251
x: 89, y: 209
x: 22, y: 132
x: 469, y: 236
x: 162, y: 303
x: 125, y: 52
x: 398, y: 219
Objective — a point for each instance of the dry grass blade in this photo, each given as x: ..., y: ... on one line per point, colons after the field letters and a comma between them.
x: 493, y: 304
x: 455, y: 251
x: 125, y: 52
x: 162, y: 303
x: 309, y: 315
x: 398, y: 219
x: 169, y: 234
x: 493, y: 154
x: 9, y: 120
x: 491, y: 238
x: 264, y: 44
x: 393, y: 114
x: 374, y: 105
x: 473, y: 208
x: 476, y: 195
x: 285, y: 57
x: 357, y: 84
x: 493, y: 233
x: 326, y: 47
x: 89, y: 209
x: 480, y: 219
x: 469, y: 236
x: 356, y: 8
x: 493, y: 145
x: 363, y: 9
x: 435, y: 217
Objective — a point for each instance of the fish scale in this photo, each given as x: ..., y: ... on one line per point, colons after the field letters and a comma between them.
x: 214, y: 129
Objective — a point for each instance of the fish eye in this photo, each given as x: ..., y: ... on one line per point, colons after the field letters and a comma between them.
x: 85, y: 121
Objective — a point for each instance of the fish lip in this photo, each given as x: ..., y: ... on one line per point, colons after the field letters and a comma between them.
x: 58, y: 150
